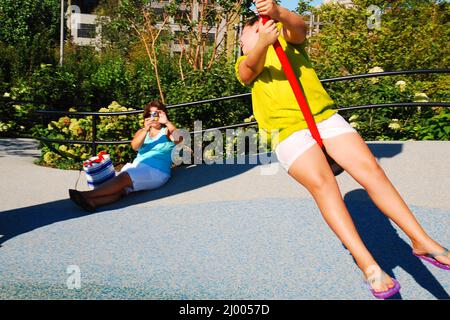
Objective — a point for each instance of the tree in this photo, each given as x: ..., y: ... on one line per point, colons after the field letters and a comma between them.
x: 22, y: 20
x: 186, y: 23
x: 303, y: 6
x: 196, y: 21
x: 137, y: 18
x: 413, y: 35
x: 30, y: 28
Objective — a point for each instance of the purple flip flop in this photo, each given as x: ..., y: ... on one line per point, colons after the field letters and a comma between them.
x: 385, y: 294
x: 431, y: 258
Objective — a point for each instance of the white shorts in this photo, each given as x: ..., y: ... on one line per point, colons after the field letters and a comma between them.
x: 298, y: 142
x: 144, y: 177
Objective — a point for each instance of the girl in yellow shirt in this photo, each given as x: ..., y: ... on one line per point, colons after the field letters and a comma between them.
x: 278, y: 114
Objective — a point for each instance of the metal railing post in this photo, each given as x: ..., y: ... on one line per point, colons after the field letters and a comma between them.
x: 94, y: 135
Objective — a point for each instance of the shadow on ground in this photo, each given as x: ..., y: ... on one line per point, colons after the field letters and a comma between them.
x: 19, y: 147
x: 385, y: 150
x: 23, y: 220
x: 383, y: 241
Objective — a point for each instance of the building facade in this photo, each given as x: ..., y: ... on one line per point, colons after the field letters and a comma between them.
x: 85, y: 31
x: 82, y: 24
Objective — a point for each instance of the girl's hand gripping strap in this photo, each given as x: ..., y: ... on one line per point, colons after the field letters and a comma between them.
x: 297, y: 88
x: 299, y: 95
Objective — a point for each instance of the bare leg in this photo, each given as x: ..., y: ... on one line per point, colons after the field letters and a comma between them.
x: 312, y: 171
x: 110, y: 187
x: 352, y: 153
x: 104, y: 200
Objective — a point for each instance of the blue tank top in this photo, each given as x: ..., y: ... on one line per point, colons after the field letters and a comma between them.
x: 156, y: 152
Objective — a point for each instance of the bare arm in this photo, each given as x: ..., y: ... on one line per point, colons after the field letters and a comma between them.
x: 294, y: 27
x: 253, y: 65
x: 139, y: 138
x: 170, y: 132
x: 170, y: 127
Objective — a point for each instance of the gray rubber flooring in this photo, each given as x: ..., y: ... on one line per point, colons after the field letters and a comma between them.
x: 214, y: 232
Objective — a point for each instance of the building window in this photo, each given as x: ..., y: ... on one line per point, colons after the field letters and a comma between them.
x: 86, y: 31
x: 86, y: 6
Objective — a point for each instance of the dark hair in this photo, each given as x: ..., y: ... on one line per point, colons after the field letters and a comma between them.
x: 157, y: 104
x: 251, y: 21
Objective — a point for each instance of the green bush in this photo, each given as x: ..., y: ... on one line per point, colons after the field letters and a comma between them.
x: 109, y: 128
x: 217, y: 82
x: 49, y: 87
x: 413, y: 35
x: 28, y: 36
x: 395, y: 123
x: 436, y: 126
x: 16, y: 112
x: 53, y: 87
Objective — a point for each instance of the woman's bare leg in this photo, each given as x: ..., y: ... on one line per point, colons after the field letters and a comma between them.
x: 110, y: 187
x: 312, y: 171
x: 351, y: 152
x: 104, y: 200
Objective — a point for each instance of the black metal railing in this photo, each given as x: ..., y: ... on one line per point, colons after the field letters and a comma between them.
x: 95, y: 115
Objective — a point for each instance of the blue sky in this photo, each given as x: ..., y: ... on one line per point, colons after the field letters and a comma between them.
x: 291, y: 4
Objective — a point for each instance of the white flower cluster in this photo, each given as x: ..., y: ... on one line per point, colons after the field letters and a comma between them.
x: 375, y: 70
x: 421, y: 97
x: 401, y: 85
x: 394, y: 125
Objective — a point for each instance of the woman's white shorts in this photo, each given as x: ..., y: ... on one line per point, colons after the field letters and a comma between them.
x: 144, y: 177
x: 298, y: 142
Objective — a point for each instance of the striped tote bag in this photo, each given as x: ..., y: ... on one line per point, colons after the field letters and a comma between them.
x: 98, y: 169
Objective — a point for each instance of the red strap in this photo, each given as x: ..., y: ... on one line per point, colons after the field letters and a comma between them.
x: 297, y: 88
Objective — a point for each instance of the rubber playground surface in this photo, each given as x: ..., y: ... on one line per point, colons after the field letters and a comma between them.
x: 214, y: 232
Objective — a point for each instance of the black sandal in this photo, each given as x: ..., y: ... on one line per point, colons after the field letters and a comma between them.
x: 80, y: 200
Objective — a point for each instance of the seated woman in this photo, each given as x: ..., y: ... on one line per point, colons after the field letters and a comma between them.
x: 149, y: 170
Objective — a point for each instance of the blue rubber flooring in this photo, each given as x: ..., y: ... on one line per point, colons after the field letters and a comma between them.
x: 272, y: 248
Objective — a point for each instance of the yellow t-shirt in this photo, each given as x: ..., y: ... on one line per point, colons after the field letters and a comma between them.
x: 274, y: 105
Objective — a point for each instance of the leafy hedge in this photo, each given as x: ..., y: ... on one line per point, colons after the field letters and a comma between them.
x: 120, y: 127
x: 395, y: 123
x: 220, y: 81
x: 413, y: 35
